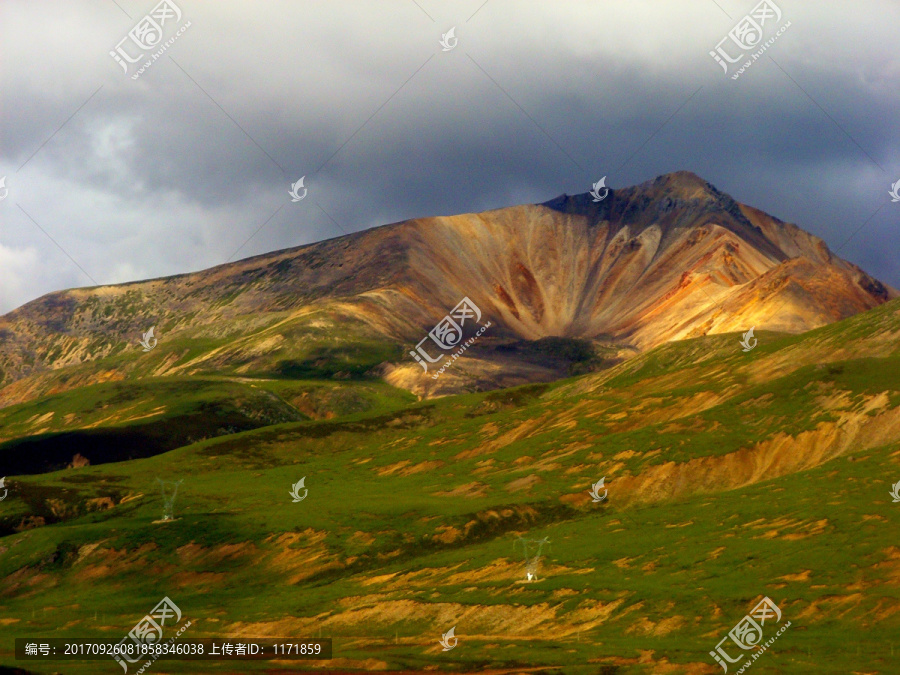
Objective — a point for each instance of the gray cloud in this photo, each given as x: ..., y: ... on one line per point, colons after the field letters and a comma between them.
x: 174, y: 171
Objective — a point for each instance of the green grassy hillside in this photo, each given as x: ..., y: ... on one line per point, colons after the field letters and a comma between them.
x: 731, y: 476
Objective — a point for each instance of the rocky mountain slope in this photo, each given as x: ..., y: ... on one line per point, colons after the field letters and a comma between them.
x: 669, y: 259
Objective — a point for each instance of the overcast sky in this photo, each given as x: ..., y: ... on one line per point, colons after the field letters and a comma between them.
x: 113, y: 179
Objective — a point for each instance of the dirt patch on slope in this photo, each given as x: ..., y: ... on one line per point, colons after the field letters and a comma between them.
x: 777, y: 456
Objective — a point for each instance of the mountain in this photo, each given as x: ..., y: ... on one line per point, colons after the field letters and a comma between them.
x: 729, y: 475
x: 568, y: 284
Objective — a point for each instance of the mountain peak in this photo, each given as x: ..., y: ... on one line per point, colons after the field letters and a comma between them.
x: 684, y: 186
x: 679, y: 180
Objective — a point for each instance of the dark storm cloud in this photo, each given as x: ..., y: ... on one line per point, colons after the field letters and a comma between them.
x: 174, y: 171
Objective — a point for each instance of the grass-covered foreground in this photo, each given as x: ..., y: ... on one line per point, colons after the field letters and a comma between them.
x: 731, y: 476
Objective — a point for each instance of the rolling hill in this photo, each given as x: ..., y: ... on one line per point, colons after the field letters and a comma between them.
x: 731, y: 476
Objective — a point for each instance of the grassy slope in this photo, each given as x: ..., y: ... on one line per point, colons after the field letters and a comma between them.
x: 412, y: 517
x: 116, y: 421
x: 312, y: 343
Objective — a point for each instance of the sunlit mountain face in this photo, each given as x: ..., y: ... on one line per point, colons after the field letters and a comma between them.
x: 668, y: 259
